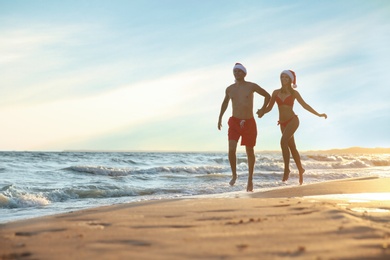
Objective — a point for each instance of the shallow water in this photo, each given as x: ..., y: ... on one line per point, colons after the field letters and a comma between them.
x: 41, y: 183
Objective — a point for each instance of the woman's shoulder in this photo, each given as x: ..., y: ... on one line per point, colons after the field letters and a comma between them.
x: 295, y: 93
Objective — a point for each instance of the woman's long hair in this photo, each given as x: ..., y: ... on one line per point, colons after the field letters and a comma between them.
x: 290, y: 88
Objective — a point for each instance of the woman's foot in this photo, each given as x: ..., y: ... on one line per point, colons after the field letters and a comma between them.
x: 301, y: 176
x: 249, y: 187
x: 286, y: 175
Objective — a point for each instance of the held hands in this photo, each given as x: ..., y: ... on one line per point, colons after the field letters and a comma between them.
x: 260, y: 113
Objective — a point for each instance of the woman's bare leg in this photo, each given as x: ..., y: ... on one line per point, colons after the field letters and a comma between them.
x: 297, y: 158
x: 287, y: 133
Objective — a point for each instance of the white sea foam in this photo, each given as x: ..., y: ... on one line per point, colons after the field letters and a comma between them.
x: 48, y: 182
x: 101, y: 170
x: 3, y: 201
x: 23, y: 201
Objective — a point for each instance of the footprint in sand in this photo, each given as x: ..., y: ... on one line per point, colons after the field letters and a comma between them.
x: 33, y: 233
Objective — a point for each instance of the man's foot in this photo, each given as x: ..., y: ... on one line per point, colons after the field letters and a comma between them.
x: 286, y: 175
x: 233, y: 180
x: 249, y: 187
x: 301, y: 176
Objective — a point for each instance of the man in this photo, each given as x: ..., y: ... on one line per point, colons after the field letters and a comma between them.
x: 242, y: 123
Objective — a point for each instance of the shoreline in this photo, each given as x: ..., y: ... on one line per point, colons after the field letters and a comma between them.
x: 311, y: 221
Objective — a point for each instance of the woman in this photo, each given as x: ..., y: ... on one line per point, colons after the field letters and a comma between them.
x: 288, y: 120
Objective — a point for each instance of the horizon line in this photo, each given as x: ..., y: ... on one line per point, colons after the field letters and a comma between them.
x: 353, y: 149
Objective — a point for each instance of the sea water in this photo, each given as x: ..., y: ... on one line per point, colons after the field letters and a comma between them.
x: 43, y: 183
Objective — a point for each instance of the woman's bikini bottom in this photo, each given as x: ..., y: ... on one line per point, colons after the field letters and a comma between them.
x: 285, y: 123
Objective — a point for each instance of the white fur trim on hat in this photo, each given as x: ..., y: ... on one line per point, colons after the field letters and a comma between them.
x: 239, y: 66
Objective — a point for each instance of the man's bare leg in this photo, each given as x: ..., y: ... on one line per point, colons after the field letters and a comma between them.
x: 233, y: 180
x: 250, y: 153
x: 233, y: 161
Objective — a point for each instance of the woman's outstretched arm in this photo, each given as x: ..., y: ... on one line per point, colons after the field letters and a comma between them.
x: 307, y: 106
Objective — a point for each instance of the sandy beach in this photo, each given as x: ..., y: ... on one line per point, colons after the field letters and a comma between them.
x: 343, y: 219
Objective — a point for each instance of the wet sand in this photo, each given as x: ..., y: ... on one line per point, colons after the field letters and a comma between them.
x: 278, y: 224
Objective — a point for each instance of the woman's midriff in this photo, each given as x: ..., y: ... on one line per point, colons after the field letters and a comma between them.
x: 285, y: 113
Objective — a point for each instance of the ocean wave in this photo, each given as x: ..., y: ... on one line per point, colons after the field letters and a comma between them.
x: 23, y: 201
x: 325, y: 158
x: 90, y: 192
x: 115, y: 171
x: 353, y: 161
x: 101, y: 170
x: 3, y: 201
x: 350, y: 164
x: 190, y: 169
x: 39, y: 199
x: 52, y: 182
x: 126, y: 161
x: 345, y: 161
x: 270, y: 164
x: 379, y: 162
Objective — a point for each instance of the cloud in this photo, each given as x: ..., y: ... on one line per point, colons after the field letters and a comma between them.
x: 86, y: 83
x: 59, y: 121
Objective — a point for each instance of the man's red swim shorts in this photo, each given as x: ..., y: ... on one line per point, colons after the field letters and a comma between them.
x: 246, y: 129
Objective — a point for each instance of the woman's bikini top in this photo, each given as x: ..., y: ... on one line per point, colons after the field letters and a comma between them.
x: 288, y: 101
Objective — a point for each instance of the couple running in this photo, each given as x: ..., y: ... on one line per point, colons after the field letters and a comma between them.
x: 242, y: 123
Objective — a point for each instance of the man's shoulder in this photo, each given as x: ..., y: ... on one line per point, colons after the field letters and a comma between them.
x: 231, y: 86
x: 252, y: 85
x: 245, y: 83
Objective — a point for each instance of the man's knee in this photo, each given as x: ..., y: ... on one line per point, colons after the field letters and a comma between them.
x: 233, y: 144
x: 250, y: 151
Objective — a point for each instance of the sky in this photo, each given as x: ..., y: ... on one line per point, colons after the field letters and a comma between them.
x: 151, y: 75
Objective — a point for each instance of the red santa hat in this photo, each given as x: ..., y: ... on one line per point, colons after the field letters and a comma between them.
x: 292, y: 76
x: 240, y: 67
